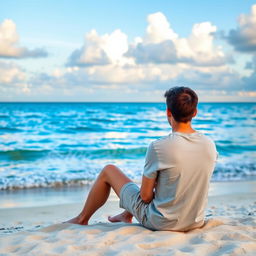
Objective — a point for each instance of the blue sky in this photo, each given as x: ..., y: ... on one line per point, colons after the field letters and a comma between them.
x: 127, y: 50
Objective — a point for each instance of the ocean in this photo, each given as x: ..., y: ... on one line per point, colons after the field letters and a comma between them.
x: 61, y: 144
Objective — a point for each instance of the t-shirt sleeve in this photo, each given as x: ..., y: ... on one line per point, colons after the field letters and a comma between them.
x: 216, y: 152
x: 217, y: 156
x: 151, y: 162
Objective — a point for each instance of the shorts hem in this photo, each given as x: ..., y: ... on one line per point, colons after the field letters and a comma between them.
x: 122, y: 191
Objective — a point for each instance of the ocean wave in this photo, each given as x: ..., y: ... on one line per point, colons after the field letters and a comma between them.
x: 222, y: 172
x: 81, y: 129
x: 34, y: 116
x: 234, y: 148
x: 101, y: 120
x: 41, y: 182
x: 134, y: 121
x: 42, y: 141
x: 23, y: 154
x: 9, y: 129
x: 117, y: 153
x: 67, y: 137
x: 206, y: 121
x: 64, y: 151
x: 121, y: 152
x: 234, y: 171
x: 4, y: 116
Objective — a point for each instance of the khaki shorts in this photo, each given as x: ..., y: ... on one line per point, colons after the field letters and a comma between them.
x: 131, y: 201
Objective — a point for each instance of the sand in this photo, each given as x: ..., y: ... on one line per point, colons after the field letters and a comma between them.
x: 230, y: 229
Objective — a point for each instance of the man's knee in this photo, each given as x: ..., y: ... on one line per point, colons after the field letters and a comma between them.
x: 108, y: 168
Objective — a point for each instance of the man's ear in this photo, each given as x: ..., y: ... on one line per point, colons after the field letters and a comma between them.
x: 168, y: 112
x: 195, y: 113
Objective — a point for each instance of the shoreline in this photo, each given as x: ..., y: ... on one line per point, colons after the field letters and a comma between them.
x: 36, y: 197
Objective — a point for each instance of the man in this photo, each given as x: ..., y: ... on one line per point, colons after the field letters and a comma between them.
x: 176, y: 176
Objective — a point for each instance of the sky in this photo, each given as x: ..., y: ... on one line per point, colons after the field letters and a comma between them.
x: 121, y: 51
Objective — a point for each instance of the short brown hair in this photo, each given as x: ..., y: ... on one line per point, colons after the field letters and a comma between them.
x: 182, y: 102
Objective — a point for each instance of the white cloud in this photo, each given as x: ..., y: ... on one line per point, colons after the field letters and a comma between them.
x: 10, y: 73
x: 129, y: 75
x: 243, y: 38
x: 247, y: 94
x: 158, y: 59
x: 108, y: 65
x: 9, y: 43
x: 162, y: 45
x: 12, y: 77
x: 218, y: 78
x: 111, y: 48
x: 158, y: 29
x: 147, y: 76
x: 101, y: 50
x: 199, y: 46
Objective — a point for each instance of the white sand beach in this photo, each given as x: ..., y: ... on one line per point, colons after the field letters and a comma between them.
x: 230, y: 229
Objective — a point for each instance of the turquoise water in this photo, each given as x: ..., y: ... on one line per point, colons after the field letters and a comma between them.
x: 55, y: 144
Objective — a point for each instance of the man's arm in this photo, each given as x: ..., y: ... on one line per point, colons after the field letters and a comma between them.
x: 147, y: 189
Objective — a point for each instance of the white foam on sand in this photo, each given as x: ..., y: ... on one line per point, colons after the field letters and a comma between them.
x: 230, y: 229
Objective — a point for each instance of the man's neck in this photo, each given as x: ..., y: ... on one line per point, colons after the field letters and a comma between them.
x: 182, y: 127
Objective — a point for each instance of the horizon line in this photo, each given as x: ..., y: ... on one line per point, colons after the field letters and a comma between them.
x: 119, y: 102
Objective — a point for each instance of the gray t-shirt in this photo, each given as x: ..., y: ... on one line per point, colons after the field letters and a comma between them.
x: 183, y: 164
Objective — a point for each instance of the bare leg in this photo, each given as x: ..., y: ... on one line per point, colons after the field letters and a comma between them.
x: 110, y: 176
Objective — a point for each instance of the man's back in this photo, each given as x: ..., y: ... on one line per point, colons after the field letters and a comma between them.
x: 183, y: 164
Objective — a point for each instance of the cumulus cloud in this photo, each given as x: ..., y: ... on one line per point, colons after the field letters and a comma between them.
x: 243, y: 38
x: 144, y: 82
x: 158, y: 29
x: 9, y: 73
x: 162, y: 45
x: 163, y: 52
x: 12, y: 77
x: 9, y: 43
x: 101, y: 75
x: 101, y: 50
x: 148, y: 76
x: 151, y: 63
x: 212, y: 78
x: 158, y: 59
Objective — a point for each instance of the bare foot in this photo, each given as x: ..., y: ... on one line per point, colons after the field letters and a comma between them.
x: 122, y: 217
x: 77, y: 220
